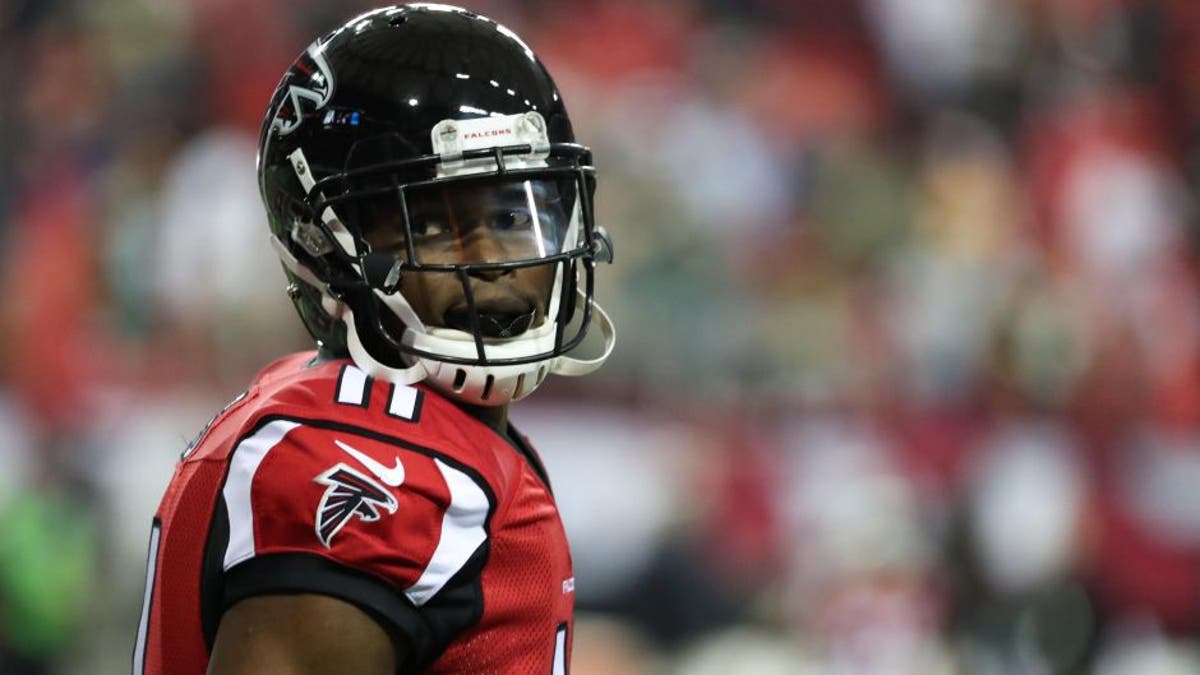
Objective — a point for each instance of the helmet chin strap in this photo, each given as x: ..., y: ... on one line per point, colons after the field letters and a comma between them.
x: 411, y: 375
x: 340, y: 310
x: 570, y: 366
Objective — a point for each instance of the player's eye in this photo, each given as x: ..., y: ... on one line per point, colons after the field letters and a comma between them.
x: 428, y: 228
x: 514, y: 220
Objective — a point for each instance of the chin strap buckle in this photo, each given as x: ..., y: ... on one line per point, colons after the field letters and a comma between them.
x: 391, y: 283
x: 602, y: 247
x: 310, y: 238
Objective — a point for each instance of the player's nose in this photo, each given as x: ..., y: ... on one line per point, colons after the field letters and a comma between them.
x: 482, y: 246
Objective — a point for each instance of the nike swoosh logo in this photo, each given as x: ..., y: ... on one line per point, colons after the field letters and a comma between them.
x: 393, y: 476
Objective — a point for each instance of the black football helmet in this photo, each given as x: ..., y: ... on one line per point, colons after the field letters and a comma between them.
x: 390, y: 149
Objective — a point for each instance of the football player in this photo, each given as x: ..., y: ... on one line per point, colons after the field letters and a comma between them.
x: 366, y: 507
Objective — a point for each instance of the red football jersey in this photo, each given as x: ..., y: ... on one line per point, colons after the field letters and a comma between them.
x: 319, y: 479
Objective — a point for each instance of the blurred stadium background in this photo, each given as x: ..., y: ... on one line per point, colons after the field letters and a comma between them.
x: 907, y: 292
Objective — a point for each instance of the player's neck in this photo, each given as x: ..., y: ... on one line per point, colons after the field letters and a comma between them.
x: 494, y: 416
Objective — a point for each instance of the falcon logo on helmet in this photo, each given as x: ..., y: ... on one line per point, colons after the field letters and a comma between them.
x: 317, y: 90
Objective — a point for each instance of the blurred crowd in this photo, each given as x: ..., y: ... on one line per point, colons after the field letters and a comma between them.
x: 908, y: 304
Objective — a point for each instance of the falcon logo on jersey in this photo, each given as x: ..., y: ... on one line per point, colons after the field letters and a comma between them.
x: 349, y: 494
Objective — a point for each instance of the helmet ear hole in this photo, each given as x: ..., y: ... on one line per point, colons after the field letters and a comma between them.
x: 460, y: 379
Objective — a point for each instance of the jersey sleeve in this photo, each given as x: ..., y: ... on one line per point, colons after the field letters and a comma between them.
x: 399, y: 530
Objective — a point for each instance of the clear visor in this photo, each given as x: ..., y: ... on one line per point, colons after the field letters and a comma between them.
x: 477, y: 221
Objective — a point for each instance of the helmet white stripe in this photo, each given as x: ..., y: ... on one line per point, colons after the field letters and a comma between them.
x: 304, y: 174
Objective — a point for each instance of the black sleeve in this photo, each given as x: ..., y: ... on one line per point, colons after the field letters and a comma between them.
x: 422, y: 633
x: 287, y: 573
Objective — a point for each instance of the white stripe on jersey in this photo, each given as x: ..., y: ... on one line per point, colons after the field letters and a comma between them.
x: 243, y: 465
x: 560, y: 652
x: 139, y: 646
x: 462, y: 533
x: 352, y: 386
x: 403, y: 401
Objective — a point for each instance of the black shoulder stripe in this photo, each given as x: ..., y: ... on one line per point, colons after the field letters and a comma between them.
x: 423, y: 633
x: 212, y: 586
x: 285, y: 573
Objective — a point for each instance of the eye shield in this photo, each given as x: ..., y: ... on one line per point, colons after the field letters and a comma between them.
x: 480, y: 221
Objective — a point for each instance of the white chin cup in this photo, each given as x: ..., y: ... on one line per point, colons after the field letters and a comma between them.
x: 480, y: 385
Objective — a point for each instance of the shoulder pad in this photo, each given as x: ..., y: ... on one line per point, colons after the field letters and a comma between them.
x: 379, y: 504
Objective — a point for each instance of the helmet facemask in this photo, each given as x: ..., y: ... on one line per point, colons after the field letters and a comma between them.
x: 366, y: 136
x: 465, y: 265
